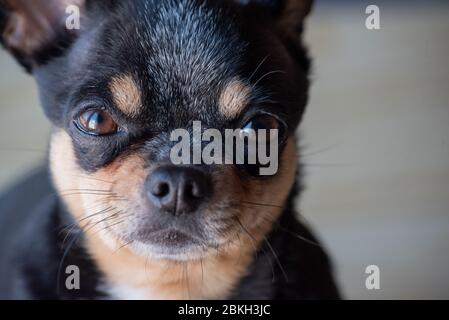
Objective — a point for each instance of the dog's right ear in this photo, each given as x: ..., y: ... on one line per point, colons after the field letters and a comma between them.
x: 34, y: 31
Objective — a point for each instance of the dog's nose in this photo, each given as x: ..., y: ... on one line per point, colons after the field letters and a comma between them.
x: 178, y: 189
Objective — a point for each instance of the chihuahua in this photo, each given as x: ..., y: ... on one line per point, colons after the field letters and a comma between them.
x: 125, y: 221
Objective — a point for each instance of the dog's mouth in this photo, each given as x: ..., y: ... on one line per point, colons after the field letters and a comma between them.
x: 171, y: 242
x: 169, y: 237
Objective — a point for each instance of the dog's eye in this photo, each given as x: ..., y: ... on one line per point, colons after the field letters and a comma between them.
x: 265, y: 122
x: 96, y: 122
x: 260, y: 132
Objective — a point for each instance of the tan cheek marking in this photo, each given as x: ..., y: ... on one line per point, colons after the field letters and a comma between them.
x: 234, y: 98
x: 126, y: 94
x: 259, y: 220
x: 66, y: 172
x: 121, y: 177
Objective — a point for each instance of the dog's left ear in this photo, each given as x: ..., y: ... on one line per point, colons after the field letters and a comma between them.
x: 35, y: 30
x: 289, y: 15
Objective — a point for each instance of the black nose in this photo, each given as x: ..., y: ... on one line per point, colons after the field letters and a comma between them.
x: 178, y: 189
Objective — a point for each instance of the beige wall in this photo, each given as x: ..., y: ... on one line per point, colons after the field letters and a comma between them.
x: 375, y: 138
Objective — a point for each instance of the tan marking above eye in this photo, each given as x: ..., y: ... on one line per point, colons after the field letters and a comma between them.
x: 234, y: 98
x: 126, y: 94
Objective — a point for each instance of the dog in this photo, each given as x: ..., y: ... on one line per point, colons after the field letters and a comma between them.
x: 129, y: 221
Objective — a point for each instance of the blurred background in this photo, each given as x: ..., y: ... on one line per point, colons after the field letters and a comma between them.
x: 375, y: 143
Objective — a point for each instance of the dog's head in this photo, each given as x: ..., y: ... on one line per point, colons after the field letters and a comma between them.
x: 117, y: 87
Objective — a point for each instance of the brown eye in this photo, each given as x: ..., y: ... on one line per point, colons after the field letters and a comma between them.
x: 96, y: 122
x: 265, y: 122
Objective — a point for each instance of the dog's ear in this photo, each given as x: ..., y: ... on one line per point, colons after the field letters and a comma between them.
x: 288, y: 14
x: 35, y: 30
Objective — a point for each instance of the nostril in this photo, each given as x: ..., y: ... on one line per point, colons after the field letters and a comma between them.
x: 178, y: 190
x: 193, y: 190
x: 161, y: 190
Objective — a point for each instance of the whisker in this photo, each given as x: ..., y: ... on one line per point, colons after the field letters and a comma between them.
x: 276, y: 258
x: 87, y: 194
x: 300, y: 237
x: 77, y: 224
x: 87, y: 190
x: 258, y: 67
x: 92, y: 178
x: 98, y: 213
x: 186, y: 279
x: 111, y: 216
x: 202, y: 273
x: 316, y: 152
x: 268, y: 74
x: 109, y: 226
x: 123, y: 246
x: 324, y: 165
x: 265, y: 216
x: 254, y: 242
x: 263, y: 204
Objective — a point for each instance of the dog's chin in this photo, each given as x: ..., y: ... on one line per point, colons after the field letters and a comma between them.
x: 170, y: 244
